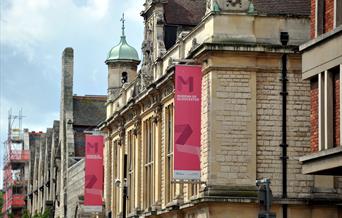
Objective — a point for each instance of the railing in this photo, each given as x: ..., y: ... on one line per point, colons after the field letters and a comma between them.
x: 15, y: 201
x: 18, y: 201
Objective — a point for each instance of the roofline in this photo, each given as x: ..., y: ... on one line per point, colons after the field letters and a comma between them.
x: 122, y: 60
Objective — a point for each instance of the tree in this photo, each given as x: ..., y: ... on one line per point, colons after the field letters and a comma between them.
x: 46, y: 214
x: 1, y: 201
x: 26, y: 214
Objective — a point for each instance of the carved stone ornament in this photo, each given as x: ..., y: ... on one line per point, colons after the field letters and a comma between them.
x: 194, y: 45
x: 234, y: 3
x: 160, y: 18
x: 228, y: 5
x: 145, y: 75
x: 129, y: 116
x: 157, y: 117
x: 122, y: 136
x: 169, y: 88
x: 209, y: 4
x: 137, y: 127
x: 147, y: 103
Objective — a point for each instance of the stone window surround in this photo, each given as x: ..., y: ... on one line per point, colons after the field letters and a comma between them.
x: 148, y: 162
x: 131, y: 141
x: 317, y: 17
x: 115, y: 165
x: 325, y: 109
x: 169, y: 187
x: 335, y: 11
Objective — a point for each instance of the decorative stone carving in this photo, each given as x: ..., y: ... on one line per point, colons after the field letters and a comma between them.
x: 169, y: 88
x: 121, y: 141
x: 194, y: 42
x: 194, y: 45
x: 147, y: 103
x: 137, y: 127
x: 234, y: 3
x: 209, y: 4
x: 159, y: 15
x: 228, y: 5
x: 170, y: 62
x: 129, y: 116
x: 160, y: 18
x: 158, y: 113
x: 145, y: 75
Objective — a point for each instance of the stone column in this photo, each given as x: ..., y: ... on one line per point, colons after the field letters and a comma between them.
x: 66, y: 119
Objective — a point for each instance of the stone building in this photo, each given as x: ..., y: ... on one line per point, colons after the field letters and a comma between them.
x: 322, y: 65
x: 238, y: 45
x: 58, y: 161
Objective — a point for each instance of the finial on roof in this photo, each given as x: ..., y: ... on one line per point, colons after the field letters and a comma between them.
x: 251, y: 9
x: 123, y: 24
x: 216, y: 7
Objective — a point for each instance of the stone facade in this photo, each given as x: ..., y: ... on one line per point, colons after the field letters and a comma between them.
x: 75, y: 187
x: 37, y: 142
x: 240, y: 53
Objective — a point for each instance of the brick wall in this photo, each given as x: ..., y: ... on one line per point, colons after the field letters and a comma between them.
x: 337, y: 109
x: 312, y: 19
x: 329, y: 15
x: 314, y: 114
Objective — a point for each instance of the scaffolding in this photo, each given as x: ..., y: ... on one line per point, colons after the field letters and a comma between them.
x: 16, y: 160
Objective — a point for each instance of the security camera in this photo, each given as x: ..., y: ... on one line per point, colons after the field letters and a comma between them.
x: 262, y: 181
x: 117, y: 182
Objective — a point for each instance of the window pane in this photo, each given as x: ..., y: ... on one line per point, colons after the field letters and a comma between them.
x: 338, y: 12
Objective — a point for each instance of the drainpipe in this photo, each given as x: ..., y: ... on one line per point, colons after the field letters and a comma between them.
x: 125, y: 189
x: 284, y: 38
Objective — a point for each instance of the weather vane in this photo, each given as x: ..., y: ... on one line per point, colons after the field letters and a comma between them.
x: 123, y: 24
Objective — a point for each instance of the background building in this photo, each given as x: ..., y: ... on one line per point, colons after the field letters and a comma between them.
x: 322, y: 64
x: 57, y: 164
x: 16, y: 163
x: 238, y: 45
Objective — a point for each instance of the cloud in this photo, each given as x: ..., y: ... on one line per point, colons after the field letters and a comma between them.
x: 33, y: 36
x: 96, y: 8
x: 27, y: 24
x: 134, y: 7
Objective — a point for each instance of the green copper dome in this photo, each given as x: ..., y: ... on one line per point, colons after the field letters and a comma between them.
x: 123, y: 51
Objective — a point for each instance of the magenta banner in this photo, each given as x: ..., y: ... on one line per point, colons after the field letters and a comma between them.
x: 93, y: 186
x: 187, y: 129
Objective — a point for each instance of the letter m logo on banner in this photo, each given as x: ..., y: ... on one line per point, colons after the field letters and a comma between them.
x: 182, y: 81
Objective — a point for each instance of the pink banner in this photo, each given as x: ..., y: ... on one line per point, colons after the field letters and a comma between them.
x: 187, y: 129
x: 93, y: 173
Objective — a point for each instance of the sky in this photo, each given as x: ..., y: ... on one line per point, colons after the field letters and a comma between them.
x: 33, y: 35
